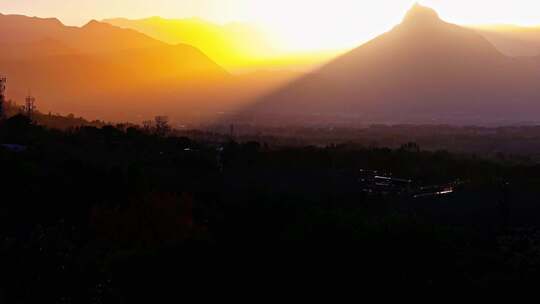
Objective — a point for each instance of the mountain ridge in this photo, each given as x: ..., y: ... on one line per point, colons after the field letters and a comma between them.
x: 422, y: 71
x: 93, y: 37
x: 98, y: 69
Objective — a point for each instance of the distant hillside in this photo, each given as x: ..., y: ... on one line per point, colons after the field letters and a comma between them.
x: 512, y: 40
x: 423, y: 71
x: 53, y: 121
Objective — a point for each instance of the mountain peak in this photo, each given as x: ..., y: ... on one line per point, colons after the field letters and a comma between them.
x: 421, y: 14
x: 94, y: 24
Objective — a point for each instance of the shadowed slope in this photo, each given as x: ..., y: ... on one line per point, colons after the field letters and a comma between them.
x: 424, y: 70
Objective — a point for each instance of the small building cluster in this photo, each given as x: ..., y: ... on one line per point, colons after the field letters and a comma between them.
x: 377, y: 183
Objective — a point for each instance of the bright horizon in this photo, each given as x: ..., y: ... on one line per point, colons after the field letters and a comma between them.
x: 301, y: 25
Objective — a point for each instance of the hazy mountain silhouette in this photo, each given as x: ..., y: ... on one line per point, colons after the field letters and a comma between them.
x: 512, y: 40
x: 424, y: 70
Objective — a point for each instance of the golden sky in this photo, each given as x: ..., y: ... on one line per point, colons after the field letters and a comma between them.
x: 302, y: 24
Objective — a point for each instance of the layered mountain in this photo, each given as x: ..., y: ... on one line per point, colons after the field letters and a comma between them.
x: 99, y: 70
x: 424, y: 70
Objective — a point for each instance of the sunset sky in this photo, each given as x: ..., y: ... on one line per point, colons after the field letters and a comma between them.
x: 303, y: 24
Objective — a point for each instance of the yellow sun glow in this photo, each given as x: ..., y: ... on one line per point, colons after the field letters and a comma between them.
x: 339, y: 24
x: 317, y: 25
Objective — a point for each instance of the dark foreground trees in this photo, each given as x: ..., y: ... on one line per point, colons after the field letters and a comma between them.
x: 120, y: 215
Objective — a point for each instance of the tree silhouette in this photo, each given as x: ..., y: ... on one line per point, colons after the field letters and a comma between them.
x: 162, y: 125
x: 410, y: 147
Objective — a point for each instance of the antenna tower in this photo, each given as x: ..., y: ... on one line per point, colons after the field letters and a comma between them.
x: 30, y: 106
x: 3, y: 81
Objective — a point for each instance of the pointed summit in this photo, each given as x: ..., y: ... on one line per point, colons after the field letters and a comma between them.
x: 421, y: 14
x: 425, y: 69
x: 96, y: 25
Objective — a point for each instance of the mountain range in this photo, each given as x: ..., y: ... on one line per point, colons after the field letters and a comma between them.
x: 102, y: 71
x: 93, y: 37
x: 242, y: 45
x: 424, y: 70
